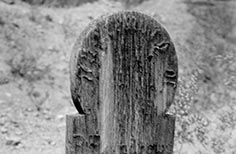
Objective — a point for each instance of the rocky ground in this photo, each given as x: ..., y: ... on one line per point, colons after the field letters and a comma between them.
x: 35, y: 45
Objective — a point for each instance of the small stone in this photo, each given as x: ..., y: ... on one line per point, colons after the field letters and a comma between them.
x: 36, y: 94
x: 4, y: 80
x: 53, y: 143
x: 8, y: 94
x: 36, y: 114
x: 13, y: 141
x: 29, y: 109
x: 50, y: 142
x: 90, y: 17
x: 47, y: 117
x: 60, y: 117
x: 19, y: 132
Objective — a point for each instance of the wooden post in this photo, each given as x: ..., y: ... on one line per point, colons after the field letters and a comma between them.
x: 123, y: 76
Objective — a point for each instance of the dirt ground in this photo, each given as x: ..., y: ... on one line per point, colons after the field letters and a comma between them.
x: 35, y: 45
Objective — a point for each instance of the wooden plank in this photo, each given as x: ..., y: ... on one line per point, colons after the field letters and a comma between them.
x: 124, y: 76
x: 80, y: 138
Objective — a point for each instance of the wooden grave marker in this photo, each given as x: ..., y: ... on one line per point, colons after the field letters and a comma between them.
x: 123, y: 74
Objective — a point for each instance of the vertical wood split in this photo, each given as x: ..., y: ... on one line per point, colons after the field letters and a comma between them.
x: 123, y: 80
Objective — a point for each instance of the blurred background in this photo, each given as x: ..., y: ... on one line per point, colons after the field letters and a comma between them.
x: 36, y: 38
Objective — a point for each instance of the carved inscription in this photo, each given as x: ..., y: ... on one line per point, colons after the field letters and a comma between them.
x: 149, y: 149
x: 94, y: 142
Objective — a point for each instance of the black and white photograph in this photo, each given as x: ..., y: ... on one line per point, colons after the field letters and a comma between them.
x: 117, y: 76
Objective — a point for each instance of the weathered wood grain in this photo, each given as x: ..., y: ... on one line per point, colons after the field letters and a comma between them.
x: 80, y: 139
x: 123, y: 76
